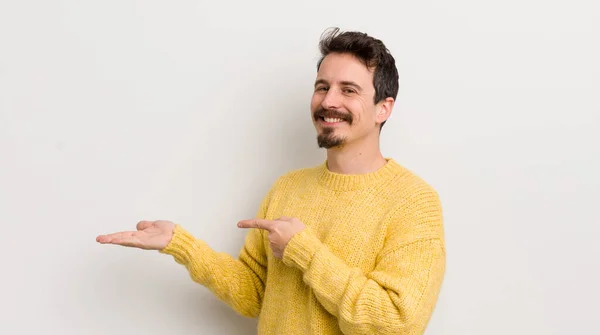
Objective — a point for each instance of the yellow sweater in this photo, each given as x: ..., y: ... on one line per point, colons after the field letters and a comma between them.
x: 370, y: 261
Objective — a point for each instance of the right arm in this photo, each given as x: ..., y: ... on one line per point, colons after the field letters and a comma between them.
x: 240, y: 283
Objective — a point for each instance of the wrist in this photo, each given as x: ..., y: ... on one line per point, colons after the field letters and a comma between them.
x: 301, y: 249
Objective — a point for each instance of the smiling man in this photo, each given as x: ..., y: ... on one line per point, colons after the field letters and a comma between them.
x: 352, y: 246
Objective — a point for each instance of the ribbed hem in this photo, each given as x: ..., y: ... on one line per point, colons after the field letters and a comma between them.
x: 182, y: 246
x: 348, y: 182
x: 301, y: 249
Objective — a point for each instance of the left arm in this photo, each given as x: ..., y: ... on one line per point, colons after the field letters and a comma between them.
x: 397, y: 297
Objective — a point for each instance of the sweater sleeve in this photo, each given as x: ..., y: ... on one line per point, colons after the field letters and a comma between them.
x: 397, y: 297
x: 239, y: 282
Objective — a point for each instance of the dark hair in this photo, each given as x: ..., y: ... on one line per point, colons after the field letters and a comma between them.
x: 371, y: 51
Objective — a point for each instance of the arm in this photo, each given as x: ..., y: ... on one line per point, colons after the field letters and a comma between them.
x: 399, y: 295
x: 238, y: 282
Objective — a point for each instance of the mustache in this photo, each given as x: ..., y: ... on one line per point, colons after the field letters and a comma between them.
x: 331, y: 113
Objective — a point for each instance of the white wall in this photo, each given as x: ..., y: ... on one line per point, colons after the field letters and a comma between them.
x: 117, y: 111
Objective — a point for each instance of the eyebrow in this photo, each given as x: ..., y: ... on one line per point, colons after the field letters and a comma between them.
x: 344, y: 83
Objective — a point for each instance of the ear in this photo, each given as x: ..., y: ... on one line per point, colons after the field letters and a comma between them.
x: 384, y: 110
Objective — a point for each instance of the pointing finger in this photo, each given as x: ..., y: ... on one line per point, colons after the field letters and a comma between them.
x: 257, y: 223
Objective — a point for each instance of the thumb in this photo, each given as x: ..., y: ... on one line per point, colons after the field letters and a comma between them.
x: 144, y: 224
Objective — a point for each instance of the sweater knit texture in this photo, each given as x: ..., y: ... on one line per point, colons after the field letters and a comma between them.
x: 371, y: 259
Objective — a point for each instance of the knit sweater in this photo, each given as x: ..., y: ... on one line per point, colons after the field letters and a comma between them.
x: 371, y: 259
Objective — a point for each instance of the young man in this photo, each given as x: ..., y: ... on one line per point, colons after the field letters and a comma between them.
x: 354, y: 245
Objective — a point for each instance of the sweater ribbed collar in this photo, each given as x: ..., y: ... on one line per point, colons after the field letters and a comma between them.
x: 348, y: 182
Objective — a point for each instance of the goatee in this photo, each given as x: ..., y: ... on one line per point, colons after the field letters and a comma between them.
x: 328, y: 140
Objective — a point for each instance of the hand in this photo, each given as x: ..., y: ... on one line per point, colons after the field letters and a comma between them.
x: 280, y: 231
x: 150, y: 235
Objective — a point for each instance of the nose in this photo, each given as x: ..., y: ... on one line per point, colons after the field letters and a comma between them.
x: 332, y: 99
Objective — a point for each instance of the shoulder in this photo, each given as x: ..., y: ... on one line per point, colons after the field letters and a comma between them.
x: 407, y: 187
x: 417, y: 208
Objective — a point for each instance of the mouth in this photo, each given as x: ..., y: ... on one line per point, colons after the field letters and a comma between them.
x: 330, y: 121
x: 332, y: 118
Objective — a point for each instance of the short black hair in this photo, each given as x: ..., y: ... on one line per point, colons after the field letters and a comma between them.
x: 371, y: 51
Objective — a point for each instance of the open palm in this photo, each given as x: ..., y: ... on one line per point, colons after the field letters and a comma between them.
x: 150, y: 235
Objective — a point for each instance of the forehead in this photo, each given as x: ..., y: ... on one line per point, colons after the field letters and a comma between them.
x: 344, y: 67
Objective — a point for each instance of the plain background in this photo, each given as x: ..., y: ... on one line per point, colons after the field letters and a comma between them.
x: 113, y: 112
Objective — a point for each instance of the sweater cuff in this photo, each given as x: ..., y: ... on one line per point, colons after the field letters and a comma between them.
x: 301, y: 249
x: 182, y: 245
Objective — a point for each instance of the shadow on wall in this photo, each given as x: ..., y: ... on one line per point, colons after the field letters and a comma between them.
x: 292, y: 137
x: 299, y: 144
x: 283, y: 139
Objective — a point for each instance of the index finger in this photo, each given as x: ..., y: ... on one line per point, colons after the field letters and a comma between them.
x: 257, y: 223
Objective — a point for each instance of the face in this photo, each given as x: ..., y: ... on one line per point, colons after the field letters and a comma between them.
x: 342, y: 104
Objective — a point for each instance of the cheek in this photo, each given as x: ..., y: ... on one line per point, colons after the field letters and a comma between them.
x: 359, y: 112
x: 315, y: 102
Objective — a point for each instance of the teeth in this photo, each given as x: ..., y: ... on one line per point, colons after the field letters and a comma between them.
x: 331, y: 120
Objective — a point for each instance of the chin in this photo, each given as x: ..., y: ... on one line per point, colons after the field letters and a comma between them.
x: 327, y: 139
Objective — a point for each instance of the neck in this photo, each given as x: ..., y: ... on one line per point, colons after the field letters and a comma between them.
x: 359, y: 158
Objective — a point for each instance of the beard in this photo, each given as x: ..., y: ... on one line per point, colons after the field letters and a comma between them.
x: 327, y: 139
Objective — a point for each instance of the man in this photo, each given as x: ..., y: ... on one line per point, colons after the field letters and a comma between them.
x: 354, y: 245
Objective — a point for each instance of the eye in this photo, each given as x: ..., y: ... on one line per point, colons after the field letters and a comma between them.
x: 321, y: 88
x: 349, y: 91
